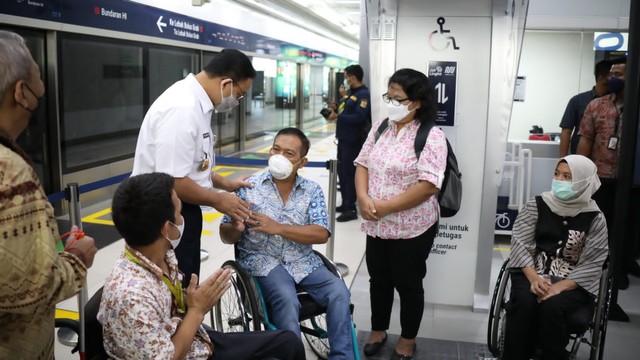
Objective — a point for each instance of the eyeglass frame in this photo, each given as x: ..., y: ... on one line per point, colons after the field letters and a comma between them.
x: 386, y: 98
x: 243, y: 92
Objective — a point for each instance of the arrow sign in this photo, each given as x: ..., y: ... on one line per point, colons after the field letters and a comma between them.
x: 161, y: 24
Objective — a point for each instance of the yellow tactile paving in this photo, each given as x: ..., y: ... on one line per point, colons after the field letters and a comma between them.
x: 66, y: 314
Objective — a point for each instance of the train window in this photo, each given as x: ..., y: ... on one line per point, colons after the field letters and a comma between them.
x: 170, y: 65
x: 102, y: 100
x: 273, y: 104
x: 315, y: 92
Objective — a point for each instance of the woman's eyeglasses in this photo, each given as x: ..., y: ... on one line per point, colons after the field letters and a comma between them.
x: 388, y: 99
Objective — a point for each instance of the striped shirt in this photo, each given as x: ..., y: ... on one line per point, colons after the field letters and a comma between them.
x: 583, y: 267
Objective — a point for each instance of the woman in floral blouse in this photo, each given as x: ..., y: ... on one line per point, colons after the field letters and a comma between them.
x: 560, y: 242
x: 396, y: 198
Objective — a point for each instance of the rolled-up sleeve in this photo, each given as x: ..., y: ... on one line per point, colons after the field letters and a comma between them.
x: 433, y: 158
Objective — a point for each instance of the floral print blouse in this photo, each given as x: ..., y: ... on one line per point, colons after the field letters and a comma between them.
x: 393, y: 168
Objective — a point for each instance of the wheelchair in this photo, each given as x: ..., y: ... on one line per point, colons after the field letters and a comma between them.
x: 243, y: 308
x: 94, y: 347
x: 588, y: 324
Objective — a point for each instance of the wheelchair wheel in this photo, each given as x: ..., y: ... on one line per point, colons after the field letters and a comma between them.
x: 237, y: 310
x: 315, y: 331
x: 497, y: 319
x: 599, y: 326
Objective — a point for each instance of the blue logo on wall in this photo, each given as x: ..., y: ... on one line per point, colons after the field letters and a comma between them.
x: 609, y: 42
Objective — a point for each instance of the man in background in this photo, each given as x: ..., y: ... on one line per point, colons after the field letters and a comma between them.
x: 352, y: 127
x: 570, y: 123
x: 600, y: 136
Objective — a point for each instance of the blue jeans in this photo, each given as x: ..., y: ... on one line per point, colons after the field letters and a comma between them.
x: 279, y: 290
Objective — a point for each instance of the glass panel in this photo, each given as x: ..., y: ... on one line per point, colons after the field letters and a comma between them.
x: 34, y: 140
x: 102, y: 101
x: 314, y: 94
x: 166, y: 66
x: 286, y: 94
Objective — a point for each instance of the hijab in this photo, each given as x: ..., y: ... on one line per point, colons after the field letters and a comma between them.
x: 585, y: 183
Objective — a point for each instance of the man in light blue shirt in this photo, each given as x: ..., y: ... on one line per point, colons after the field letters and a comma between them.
x: 288, y: 216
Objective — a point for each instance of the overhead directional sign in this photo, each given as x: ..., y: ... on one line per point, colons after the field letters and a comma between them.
x: 161, y: 24
x: 135, y: 18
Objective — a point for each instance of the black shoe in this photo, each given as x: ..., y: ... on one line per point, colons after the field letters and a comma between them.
x: 373, y: 348
x: 396, y: 356
x: 633, y: 268
x: 340, y: 208
x: 623, y: 281
x: 347, y: 216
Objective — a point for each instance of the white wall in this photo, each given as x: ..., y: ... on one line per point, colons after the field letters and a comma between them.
x: 579, y: 14
x: 453, y: 259
x: 557, y: 66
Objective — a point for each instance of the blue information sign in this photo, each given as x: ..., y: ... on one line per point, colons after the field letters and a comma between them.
x: 443, y: 76
x: 135, y: 18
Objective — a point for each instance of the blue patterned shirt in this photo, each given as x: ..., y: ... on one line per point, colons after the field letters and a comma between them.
x: 259, y: 253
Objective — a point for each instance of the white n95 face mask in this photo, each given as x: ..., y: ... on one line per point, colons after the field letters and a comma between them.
x: 180, y: 228
x: 227, y: 103
x: 397, y: 113
x: 280, y: 167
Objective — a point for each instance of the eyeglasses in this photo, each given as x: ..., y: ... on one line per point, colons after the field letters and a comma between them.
x: 243, y: 93
x: 388, y: 99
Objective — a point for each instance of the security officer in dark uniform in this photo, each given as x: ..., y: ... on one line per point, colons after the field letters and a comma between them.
x: 353, y: 125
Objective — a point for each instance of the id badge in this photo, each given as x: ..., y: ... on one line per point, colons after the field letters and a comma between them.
x: 613, y: 143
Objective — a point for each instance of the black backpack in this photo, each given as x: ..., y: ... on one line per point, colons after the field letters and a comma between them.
x: 450, y: 196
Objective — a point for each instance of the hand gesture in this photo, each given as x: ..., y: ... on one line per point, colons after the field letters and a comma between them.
x: 264, y: 224
x: 540, y: 286
x: 332, y: 115
x: 85, y: 245
x: 203, y: 297
x: 368, y: 209
x: 230, y: 204
x: 237, y: 183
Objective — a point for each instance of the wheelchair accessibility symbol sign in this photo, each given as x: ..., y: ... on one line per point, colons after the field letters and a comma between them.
x: 505, y: 219
x: 440, y: 40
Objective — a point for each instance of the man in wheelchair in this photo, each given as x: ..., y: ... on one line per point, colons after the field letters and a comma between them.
x: 275, y: 244
x: 144, y: 312
x: 560, y: 243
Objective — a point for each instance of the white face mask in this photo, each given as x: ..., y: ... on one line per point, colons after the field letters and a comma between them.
x: 280, y: 167
x: 180, y: 228
x: 227, y: 103
x: 397, y: 113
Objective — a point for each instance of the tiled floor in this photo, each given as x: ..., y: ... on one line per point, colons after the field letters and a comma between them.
x: 439, y: 321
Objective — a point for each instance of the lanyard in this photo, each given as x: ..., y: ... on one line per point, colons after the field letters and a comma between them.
x: 175, y: 288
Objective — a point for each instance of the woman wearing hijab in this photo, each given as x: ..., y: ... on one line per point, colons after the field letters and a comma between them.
x: 560, y: 243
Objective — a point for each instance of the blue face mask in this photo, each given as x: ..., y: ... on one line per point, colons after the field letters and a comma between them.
x: 562, y: 190
x: 616, y: 85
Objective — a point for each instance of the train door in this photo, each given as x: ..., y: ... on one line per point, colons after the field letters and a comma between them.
x: 314, y: 95
x: 35, y: 139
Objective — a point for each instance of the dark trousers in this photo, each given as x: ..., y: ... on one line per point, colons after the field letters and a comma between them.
x: 188, y: 251
x: 398, y: 264
x: 258, y: 345
x: 542, y: 325
x: 347, y: 153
